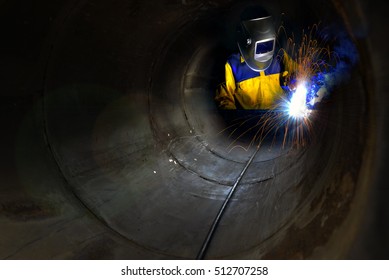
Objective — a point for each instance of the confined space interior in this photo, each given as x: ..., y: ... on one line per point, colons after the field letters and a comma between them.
x: 129, y: 157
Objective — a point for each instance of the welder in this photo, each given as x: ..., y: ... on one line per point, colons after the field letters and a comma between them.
x: 256, y: 77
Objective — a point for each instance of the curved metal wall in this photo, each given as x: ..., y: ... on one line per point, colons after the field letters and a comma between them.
x: 125, y: 155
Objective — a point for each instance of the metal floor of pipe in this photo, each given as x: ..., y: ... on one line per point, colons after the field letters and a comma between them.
x: 113, y: 148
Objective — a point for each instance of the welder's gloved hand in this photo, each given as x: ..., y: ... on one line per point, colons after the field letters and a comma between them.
x: 289, y: 81
x: 292, y: 85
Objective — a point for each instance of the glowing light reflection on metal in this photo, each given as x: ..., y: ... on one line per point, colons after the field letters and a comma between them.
x: 297, y: 106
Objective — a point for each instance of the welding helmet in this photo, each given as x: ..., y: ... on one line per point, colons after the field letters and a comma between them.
x: 256, y: 38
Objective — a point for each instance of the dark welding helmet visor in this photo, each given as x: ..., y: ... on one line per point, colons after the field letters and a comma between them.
x: 256, y: 42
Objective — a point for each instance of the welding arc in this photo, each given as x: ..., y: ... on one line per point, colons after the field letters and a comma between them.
x: 219, y: 215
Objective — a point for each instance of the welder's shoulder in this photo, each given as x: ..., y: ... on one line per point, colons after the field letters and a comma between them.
x: 234, y: 59
x: 239, y: 68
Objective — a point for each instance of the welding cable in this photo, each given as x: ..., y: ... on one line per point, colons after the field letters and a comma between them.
x: 219, y: 215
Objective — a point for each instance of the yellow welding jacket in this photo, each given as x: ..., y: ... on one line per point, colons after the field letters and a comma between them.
x: 245, y: 88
